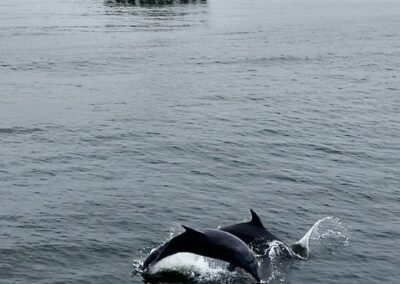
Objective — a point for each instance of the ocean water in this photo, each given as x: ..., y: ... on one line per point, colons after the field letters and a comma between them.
x: 119, y: 122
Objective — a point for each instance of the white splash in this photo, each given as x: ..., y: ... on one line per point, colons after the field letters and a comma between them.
x: 276, y: 270
x: 192, y: 266
x: 187, y: 261
x: 334, y: 230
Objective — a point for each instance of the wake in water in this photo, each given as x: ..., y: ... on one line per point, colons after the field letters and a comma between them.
x: 274, y: 265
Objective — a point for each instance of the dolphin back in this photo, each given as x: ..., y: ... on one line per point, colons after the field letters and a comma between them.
x: 253, y: 233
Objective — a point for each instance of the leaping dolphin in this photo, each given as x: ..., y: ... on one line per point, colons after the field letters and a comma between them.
x: 254, y: 234
x: 209, y: 243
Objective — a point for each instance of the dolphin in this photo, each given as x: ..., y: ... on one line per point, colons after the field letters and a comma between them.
x: 255, y: 235
x: 211, y: 243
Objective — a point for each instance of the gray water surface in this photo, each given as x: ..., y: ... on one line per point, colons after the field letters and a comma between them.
x: 118, y: 122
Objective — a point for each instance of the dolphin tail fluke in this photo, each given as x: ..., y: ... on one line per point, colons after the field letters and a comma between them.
x: 302, y: 246
x: 301, y: 250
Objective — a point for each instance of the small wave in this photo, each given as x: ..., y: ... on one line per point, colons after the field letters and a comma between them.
x: 326, y: 149
x: 150, y: 3
x: 19, y: 130
x: 284, y: 59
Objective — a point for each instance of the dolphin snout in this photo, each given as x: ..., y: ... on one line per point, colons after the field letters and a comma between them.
x: 253, y: 270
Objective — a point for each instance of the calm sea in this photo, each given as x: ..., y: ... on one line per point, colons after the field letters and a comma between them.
x: 118, y: 122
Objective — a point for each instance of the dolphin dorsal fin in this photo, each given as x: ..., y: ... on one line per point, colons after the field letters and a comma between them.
x: 191, y: 231
x: 255, y: 220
